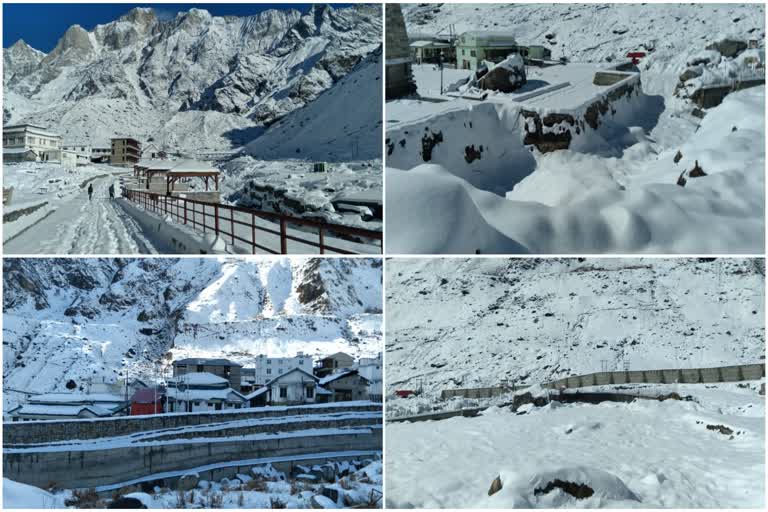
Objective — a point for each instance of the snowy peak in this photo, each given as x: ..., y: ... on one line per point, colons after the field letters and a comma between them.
x: 21, y: 58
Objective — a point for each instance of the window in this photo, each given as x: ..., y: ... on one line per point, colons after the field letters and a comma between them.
x: 301, y: 362
x: 269, y: 361
x: 472, y: 53
x: 269, y: 371
x: 280, y: 371
x: 283, y: 392
x: 463, y: 52
x: 197, y: 402
x: 200, y: 368
x: 310, y: 392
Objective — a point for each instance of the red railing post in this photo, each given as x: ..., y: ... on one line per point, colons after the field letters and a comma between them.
x: 283, y: 234
x: 232, y: 222
x: 185, y: 211
x: 216, y: 218
x: 322, y: 241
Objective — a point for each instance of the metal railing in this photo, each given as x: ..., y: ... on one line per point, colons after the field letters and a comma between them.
x: 246, y: 226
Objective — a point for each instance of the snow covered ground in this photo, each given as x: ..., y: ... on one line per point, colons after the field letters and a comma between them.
x: 615, y: 189
x: 68, y: 223
x: 644, y: 454
x: 264, y: 487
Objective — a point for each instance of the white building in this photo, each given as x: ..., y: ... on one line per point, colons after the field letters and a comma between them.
x: 295, y: 386
x: 193, y: 392
x: 84, y: 152
x: 101, y: 154
x: 267, y: 368
x: 371, y: 369
x: 19, y: 140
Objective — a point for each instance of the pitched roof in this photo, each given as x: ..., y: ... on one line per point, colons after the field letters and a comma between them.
x: 200, y: 379
x: 340, y: 375
x: 59, y: 410
x: 147, y: 396
x: 290, y: 372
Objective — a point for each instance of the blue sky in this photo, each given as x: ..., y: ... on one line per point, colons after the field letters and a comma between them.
x: 41, y: 25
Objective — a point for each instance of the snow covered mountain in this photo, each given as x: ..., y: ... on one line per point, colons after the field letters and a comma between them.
x: 455, y: 323
x: 94, y: 320
x: 196, y: 82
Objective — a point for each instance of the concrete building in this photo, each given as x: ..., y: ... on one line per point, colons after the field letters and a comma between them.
x: 372, y: 369
x: 151, y: 151
x: 333, y: 363
x: 82, y: 152
x: 220, y: 367
x: 429, y: 51
x: 472, y: 48
x: 23, y: 142
x: 59, y: 406
x: 101, y: 155
x: 397, y: 57
x: 267, y: 368
x: 194, y: 392
x: 293, y: 387
x: 346, y: 385
x: 126, y: 151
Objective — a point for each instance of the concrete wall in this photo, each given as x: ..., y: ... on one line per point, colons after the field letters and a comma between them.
x: 666, y: 376
x: 51, y: 431
x: 83, y: 469
x: 735, y: 373
x: 713, y: 96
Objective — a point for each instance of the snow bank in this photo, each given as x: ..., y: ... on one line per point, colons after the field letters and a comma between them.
x: 18, y: 495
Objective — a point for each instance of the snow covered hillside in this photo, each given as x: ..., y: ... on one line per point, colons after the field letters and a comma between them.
x: 197, y: 82
x: 657, y: 174
x: 454, y: 323
x: 94, y: 320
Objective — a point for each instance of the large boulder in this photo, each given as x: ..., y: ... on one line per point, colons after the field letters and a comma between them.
x: 188, y: 482
x: 320, y: 501
x: 506, y: 76
x: 728, y: 47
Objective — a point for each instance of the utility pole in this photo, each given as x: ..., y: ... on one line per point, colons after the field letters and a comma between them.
x: 440, y: 63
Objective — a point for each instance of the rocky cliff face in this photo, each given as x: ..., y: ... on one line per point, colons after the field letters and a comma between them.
x: 94, y: 320
x: 194, y: 82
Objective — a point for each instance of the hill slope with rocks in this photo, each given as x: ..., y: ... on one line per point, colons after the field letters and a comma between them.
x: 454, y: 323
x: 97, y: 320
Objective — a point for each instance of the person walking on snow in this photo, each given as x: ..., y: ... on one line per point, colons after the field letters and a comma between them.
x: 90, y: 191
x: 112, y: 191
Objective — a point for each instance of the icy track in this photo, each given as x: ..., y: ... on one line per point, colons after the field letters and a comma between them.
x: 80, y: 226
x: 645, y: 454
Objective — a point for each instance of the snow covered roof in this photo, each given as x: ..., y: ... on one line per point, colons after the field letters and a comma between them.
x: 204, y: 361
x: 290, y: 372
x: 157, y: 165
x: 340, y: 375
x: 147, y: 396
x: 204, y: 394
x: 429, y: 44
x: 76, y: 398
x: 200, y: 379
x: 323, y: 391
x: 58, y: 410
x: 16, y: 151
x: 187, y: 166
x: 256, y: 393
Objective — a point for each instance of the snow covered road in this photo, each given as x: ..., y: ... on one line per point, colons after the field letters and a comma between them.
x: 80, y: 226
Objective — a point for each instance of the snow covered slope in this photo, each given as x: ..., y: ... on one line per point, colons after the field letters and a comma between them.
x: 455, y: 323
x: 197, y: 82
x: 315, y: 133
x: 94, y: 320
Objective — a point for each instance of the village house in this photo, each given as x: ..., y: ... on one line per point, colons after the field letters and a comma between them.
x: 62, y: 406
x: 27, y: 142
x: 224, y: 368
x: 81, y: 151
x: 148, y: 401
x: 296, y: 386
x: 399, y: 77
x: 427, y: 48
x: 151, y: 151
x: 346, y: 385
x: 126, y: 151
x: 332, y: 363
x: 101, y: 155
x: 473, y: 47
x: 194, y: 392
